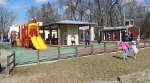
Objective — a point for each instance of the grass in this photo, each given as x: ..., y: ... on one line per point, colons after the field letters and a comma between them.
x: 30, y: 54
x: 24, y: 52
x: 86, y: 69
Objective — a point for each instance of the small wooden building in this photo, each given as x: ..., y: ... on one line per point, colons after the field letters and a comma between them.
x: 63, y: 31
x: 116, y: 33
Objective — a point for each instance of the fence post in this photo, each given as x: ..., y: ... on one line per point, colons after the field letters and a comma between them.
x: 144, y: 44
x: 92, y: 49
x: 58, y: 52
x: 76, y: 51
x: 38, y: 56
x: 116, y: 46
x: 8, y: 66
x: 0, y: 59
x: 14, y: 59
x: 104, y: 46
x: 137, y: 44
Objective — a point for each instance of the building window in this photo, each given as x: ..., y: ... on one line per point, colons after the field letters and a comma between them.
x: 127, y: 23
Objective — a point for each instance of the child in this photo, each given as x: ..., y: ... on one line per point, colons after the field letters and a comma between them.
x: 135, y: 50
x: 125, y: 49
x: 73, y: 39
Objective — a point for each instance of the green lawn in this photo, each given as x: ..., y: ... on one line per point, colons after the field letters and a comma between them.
x: 86, y: 69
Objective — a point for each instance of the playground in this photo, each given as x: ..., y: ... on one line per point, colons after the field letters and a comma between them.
x: 28, y: 47
x: 70, y: 65
x: 74, y: 41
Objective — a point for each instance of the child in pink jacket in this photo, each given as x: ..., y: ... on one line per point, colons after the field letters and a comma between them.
x: 125, y: 49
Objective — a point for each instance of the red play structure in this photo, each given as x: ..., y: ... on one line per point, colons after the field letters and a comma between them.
x: 30, y: 36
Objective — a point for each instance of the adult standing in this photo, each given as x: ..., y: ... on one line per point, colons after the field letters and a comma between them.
x: 125, y: 37
x: 130, y: 36
x: 87, y: 38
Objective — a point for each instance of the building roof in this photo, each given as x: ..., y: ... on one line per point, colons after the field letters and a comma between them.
x: 70, y: 22
x: 84, y: 27
x: 116, y: 28
x: 74, y: 22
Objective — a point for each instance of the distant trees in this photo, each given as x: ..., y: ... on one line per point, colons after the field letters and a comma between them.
x: 141, y: 16
x: 33, y: 12
x: 7, y: 18
x: 47, y: 13
x: 145, y: 30
x: 70, y: 7
x: 109, y: 12
x: 102, y: 12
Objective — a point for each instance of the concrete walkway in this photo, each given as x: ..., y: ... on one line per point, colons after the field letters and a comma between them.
x: 138, y: 77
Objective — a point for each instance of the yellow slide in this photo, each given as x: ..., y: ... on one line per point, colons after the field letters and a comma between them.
x: 38, y: 43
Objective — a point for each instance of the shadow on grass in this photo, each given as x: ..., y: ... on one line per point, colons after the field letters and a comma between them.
x: 120, y: 57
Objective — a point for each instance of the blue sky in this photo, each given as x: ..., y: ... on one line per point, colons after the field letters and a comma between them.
x: 21, y: 6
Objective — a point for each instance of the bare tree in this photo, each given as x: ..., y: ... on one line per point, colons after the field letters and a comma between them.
x: 106, y: 12
x: 33, y: 12
x: 103, y: 12
x: 46, y: 13
x: 49, y: 13
x: 145, y: 27
x: 70, y: 8
x: 140, y: 14
x: 7, y: 18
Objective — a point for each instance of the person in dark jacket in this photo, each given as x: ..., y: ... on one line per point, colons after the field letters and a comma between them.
x: 130, y: 36
x: 87, y: 38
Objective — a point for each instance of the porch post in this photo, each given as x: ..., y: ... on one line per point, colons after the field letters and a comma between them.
x: 90, y: 32
x: 43, y: 32
x: 78, y: 36
x: 120, y: 35
x: 50, y: 35
x: 58, y: 35
x: 104, y: 36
